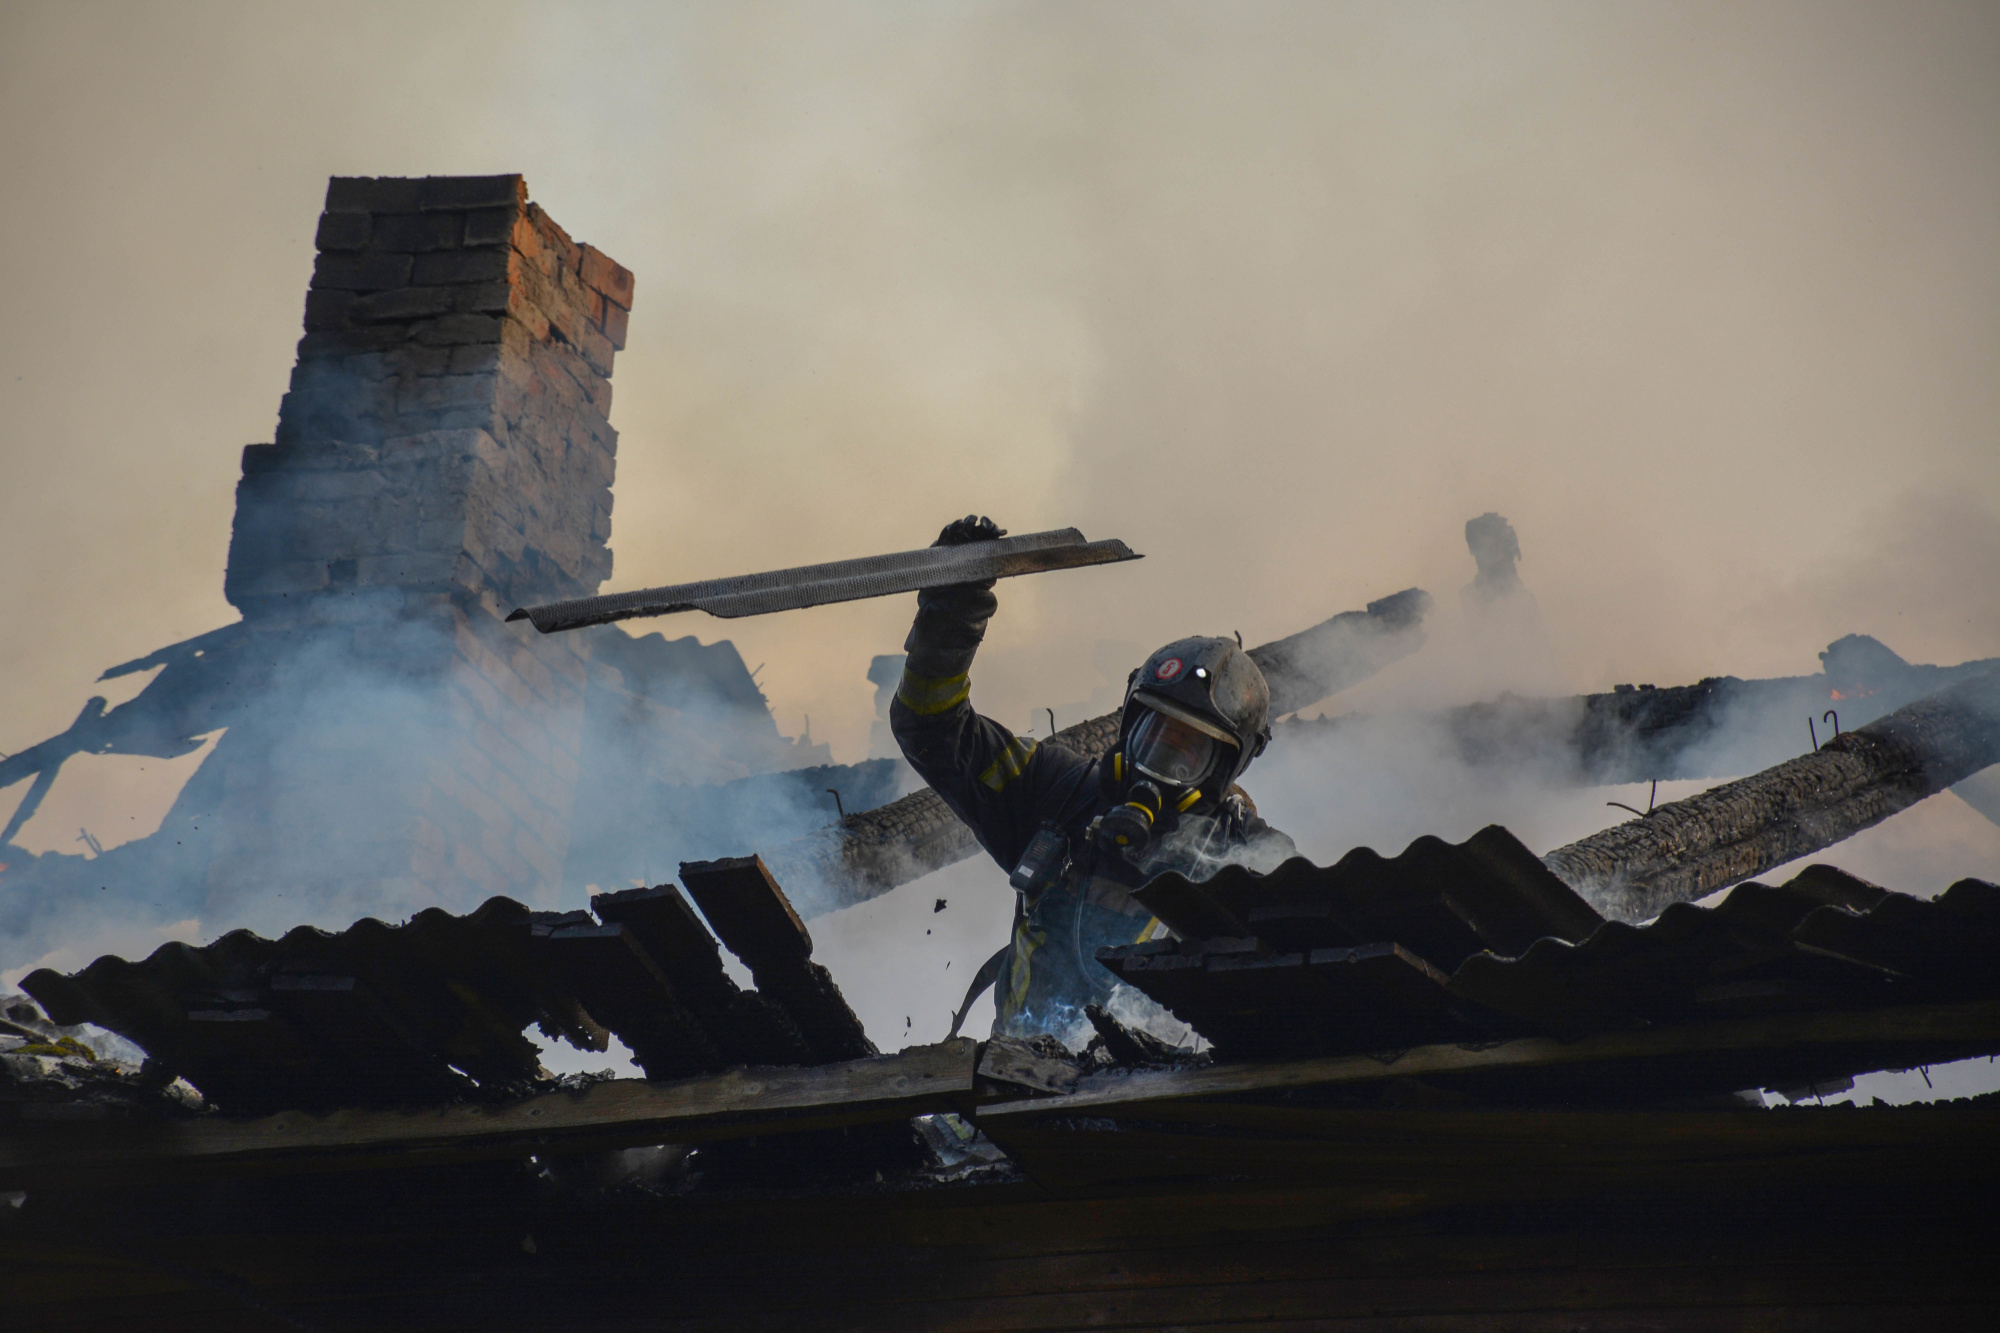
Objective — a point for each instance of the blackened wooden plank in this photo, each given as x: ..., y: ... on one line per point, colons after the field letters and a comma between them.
x: 624, y: 989
x: 747, y: 1028
x: 1013, y: 1061
x: 660, y: 919
x: 816, y: 1007
x: 763, y: 1033
x: 1878, y: 1034
x: 1132, y: 1046
x: 748, y: 911
x: 621, y: 1113
x: 754, y: 918
x: 560, y: 1013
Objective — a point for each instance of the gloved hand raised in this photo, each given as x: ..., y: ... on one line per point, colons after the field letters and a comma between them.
x: 971, y: 528
x: 952, y: 620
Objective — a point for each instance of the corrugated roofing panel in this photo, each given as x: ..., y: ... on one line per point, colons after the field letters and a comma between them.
x: 434, y: 1010
x: 1467, y: 943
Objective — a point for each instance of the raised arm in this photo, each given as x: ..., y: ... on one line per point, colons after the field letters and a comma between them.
x: 994, y: 780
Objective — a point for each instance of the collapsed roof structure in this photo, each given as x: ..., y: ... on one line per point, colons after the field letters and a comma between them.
x: 1546, y: 1124
x: 1464, y: 1086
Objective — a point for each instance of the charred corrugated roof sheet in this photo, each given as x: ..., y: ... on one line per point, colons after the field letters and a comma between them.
x: 1445, y: 944
x: 434, y: 1010
x: 1478, y: 941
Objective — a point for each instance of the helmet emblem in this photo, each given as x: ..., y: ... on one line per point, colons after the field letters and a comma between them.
x: 1168, y: 669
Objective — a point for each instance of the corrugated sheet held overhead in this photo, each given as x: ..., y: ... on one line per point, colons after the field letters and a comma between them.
x: 839, y: 580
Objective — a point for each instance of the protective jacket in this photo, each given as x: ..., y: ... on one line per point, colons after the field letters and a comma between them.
x: 1009, y: 788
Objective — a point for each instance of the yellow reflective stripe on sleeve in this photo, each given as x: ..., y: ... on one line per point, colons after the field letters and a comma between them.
x: 1027, y: 939
x: 1009, y: 765
x: 924, y: 696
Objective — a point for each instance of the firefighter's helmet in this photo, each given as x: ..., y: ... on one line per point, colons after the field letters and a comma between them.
x: 1196, y: 714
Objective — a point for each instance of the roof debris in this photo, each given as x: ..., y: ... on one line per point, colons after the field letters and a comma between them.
x: 434, y: 1010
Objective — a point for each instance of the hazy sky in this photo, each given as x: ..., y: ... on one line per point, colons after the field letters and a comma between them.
x: 1704, y: 297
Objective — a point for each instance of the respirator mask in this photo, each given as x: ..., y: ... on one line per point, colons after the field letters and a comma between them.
x: 1168, y: 754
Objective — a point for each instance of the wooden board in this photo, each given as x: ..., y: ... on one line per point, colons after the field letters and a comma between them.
x: 1973, y: 1027
x: 754, y: 918
x: 619, y: 1113
x: 748, y: 911
x: 667, y: 928
x: 622, y: 987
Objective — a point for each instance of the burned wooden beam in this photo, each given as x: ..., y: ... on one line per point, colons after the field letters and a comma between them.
x: 1719, y: 727
x: 1688, y: 849
x: 1735, y: 1053
x: 751, y: 915
x: 624, y: 989
x: 873, y: 851
x: 619, y: 1113
x: 1344, y: 650
x: 750, y: 1026
x: 1019, y: 1064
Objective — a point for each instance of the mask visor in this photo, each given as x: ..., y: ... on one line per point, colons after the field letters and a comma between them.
x: 1170, y: 750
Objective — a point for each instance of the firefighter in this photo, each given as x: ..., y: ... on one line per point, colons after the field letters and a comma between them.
x: 1078, y: 835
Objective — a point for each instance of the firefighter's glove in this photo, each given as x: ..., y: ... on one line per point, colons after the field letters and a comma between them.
x: 971, y: 528
x: 951, y: 620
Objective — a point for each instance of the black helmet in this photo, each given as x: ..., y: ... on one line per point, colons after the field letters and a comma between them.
x: 1196, y: 714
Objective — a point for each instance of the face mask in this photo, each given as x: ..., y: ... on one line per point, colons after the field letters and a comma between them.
x: 1170, y: 750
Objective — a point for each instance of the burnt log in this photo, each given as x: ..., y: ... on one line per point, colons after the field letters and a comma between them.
x: 1719, y: 727
x: 1688, y: 849
x: 871, y: 852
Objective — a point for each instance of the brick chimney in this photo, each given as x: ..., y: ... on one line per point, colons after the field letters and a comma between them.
x: 446, y: 428
x: 443, y: 455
